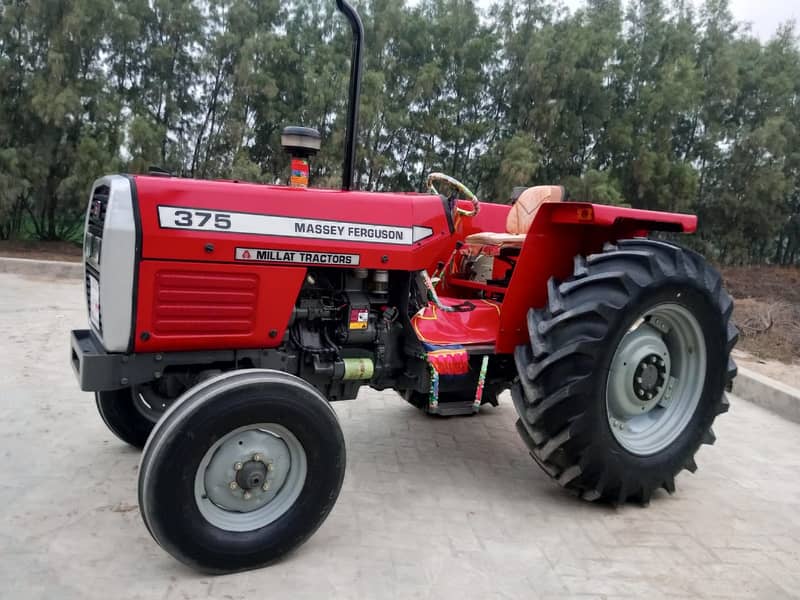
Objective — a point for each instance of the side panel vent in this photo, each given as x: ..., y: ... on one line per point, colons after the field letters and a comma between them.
x: 186, y: 306
x: 204, y: 303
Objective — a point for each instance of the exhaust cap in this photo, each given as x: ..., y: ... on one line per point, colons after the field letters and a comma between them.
x: 301, y: 141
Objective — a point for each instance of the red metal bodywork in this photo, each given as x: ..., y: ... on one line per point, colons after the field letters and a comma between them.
x: 193, y: 294
x: 404, y: 210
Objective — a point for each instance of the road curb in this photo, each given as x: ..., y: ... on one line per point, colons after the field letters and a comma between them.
x: 764, y: 391
x: 42, y: 268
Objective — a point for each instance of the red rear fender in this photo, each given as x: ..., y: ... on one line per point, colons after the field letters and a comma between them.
x: 559, y: 233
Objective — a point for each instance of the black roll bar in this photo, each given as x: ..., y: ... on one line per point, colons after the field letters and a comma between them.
x: 355, y: 93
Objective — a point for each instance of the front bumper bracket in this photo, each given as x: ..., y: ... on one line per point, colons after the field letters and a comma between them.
x: 99, y: 371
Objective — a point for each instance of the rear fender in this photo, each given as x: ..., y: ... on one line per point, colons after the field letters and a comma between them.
x: 559, y: 232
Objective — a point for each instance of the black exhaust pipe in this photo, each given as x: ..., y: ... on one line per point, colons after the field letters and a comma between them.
x: 355, y: 93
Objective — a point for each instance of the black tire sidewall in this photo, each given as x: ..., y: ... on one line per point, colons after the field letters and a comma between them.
x: 118, y: 412
x: 170, y: 465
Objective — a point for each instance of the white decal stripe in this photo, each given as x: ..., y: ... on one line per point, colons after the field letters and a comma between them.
x: 171, y: 217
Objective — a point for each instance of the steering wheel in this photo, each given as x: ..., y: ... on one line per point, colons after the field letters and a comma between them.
x: 455, y: 183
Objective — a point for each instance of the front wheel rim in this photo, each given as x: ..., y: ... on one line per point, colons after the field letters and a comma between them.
x: 656, y: 379
x: 250, y: 477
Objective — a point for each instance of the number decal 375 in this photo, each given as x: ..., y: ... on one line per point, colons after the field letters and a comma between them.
x: 193, y: 218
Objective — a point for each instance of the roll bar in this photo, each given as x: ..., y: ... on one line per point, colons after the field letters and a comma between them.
x: 355, y: 93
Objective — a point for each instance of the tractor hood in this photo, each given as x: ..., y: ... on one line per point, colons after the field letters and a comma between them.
x: 228, y: 221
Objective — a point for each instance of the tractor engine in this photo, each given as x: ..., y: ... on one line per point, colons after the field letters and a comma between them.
x: 345, y: 331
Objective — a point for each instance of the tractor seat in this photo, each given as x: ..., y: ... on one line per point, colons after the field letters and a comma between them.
x: 520, y: 217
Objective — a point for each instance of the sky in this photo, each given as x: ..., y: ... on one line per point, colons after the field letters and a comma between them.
x: 764, y: 15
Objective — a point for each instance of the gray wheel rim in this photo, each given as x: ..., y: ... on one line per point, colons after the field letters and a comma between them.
x: 250, y: 477
x: 656, y: 379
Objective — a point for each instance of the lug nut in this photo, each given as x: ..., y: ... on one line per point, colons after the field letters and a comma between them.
x: 258, y: 458
x: 269, y: 466
x: 247, y: 495
x: 238, y: 466
x: 265, y: 487
x: 233, y: 485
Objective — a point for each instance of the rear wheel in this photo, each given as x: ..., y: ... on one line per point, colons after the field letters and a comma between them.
x: 626, y: 370
x: 240, y: 470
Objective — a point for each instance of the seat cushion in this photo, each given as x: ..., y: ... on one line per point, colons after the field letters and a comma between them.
x: 520, y: 217
x: 522, y: 213
x: 488, y: 238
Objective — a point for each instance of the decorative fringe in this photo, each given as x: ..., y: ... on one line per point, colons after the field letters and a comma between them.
x: 449, y: 362
x: 441, y: 357
x: 433, y: 400
x: 476, y: 405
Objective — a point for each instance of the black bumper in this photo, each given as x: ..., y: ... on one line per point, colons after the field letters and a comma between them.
x: 100, y: 371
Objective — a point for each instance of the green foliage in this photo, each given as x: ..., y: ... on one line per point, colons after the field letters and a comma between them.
x: 644, y: 103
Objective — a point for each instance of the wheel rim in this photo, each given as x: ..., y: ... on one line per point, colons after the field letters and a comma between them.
x: 656, y: 379
x: 148, y: 403
x: 250, y: 477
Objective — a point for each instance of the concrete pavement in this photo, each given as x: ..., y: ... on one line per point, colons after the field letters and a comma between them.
x: 430, y: 508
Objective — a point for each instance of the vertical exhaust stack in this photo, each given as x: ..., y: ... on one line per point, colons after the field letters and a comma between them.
x: 355, y: 93
x: 301, y: 143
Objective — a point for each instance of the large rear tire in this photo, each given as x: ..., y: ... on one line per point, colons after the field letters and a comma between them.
x: 240, y: 470
x: 626, y: 370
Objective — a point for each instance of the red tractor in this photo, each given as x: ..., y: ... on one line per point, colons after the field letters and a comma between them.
x: 225, y: 317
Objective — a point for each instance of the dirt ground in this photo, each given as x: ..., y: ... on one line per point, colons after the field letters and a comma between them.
x: 41, y: 250
x: 767, y: 310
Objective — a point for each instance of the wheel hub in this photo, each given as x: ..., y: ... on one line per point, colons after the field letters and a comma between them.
x: 247, y: 471
x: 650, y: 377
x: 638, y: 373
x: 252, y: 475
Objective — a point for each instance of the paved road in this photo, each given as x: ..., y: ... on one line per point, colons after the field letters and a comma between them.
x: 430, y: 508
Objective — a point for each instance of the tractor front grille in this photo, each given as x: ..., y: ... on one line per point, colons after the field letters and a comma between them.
x: 97, y: 210
x: 93, y: 241
x: 91, y: 272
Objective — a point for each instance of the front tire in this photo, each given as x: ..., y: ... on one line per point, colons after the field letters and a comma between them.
x: 626, y: 370
x: 123, y: 419
x: 242, y: 469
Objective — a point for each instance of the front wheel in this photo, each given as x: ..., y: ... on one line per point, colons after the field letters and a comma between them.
x: 626, y: 370
x: 240, y: 470
x: 119, y: 411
